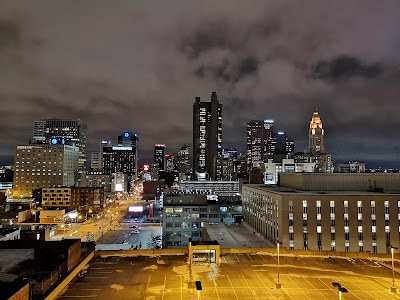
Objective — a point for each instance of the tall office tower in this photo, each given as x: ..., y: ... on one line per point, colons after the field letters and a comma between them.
x: 316, y: 135
x: 280, y: 146
x: 39, y: 132
x: 207, y: 137
x: 119, y: 159
x: 44, y: 165
x: 258, y: 133
x: 159, y: 156
x: 128, y: 139
x: 169, y: 162
x: 70, y: 130
x: 96, y: 161
x: 183, y: 164
x: 97, y: 157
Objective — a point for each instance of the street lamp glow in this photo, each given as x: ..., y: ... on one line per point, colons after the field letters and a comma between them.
x: 392, y: 288
x: 278, y: 284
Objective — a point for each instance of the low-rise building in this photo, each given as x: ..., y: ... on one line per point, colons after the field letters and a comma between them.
x: 327, y: 212
x: 184, y: 216
x: 272, y: 169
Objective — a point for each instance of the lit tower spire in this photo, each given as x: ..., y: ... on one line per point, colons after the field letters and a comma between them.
x: 316, y: 135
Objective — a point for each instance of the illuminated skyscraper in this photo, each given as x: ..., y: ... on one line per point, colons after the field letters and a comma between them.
x: 44, y: 165
x: 323, y: 161
x: 159, y: 156
x: 316, y: 135
x: 183, y: 165
x: 207, y: 138
x: 258, y: 133
x: 72, y: 131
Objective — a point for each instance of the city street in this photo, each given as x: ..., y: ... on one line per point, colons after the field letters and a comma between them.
x: 240, y: 276
x: 95, y: 228
x: 124, y: 234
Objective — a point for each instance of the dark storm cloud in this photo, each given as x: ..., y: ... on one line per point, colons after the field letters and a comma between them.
x: 228, y: 71
x: 345, y: 67
x: 9, y: 34
x: 139, y: 66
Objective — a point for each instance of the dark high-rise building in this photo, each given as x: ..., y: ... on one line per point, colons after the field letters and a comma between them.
x: 39, y: 132
x: 169, y: 162
x: 97, y: 157
x: 129, y: 139
x: 159, y: 156
x: 70, y: 130
x: 122, y: 158
x: 280, y: 146
x: 207, y: 138
x: 183, y: 164
x: 258, y: 133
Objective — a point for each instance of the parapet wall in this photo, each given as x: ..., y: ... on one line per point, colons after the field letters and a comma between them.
x: 271, y: 251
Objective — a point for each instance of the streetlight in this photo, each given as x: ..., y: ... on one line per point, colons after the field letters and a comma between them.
x: 34, y: 213
x: 392, y: 289
x: 278, y: 284
x: 340, y: 289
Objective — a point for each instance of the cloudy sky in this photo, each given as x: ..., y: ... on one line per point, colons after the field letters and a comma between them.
x: 138, y: 66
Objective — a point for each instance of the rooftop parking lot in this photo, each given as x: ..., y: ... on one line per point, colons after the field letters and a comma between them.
x: 240, y: 276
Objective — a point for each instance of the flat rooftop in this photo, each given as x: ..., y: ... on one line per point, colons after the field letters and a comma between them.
x: 236, y: 236
x: 239, y: 277
x: 289, y: 191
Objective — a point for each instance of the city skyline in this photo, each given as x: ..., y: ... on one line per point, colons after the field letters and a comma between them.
x: 138, y: 67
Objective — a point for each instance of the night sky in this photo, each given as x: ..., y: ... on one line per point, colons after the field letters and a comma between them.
x: 138, y: 66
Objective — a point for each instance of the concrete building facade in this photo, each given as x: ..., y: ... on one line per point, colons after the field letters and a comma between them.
x: 314, y: 218
x: 42, y: 165
x: 184, y: 217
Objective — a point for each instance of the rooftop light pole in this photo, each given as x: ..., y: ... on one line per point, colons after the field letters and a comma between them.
x: 278, y: 284
x: 392, y: 288
x: 340, y: 289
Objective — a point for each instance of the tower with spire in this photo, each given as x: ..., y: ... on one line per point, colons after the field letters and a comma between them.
x: 316, y: 135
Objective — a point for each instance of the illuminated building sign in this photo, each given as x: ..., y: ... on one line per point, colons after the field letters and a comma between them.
x: 121, y: 148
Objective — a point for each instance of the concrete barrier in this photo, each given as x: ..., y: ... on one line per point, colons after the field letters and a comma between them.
x: 70, y: 276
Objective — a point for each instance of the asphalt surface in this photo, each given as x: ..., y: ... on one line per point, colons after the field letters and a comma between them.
x: 240, y: 276
x: 124, y: 234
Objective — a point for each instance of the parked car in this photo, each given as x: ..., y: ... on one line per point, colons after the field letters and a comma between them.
x: 135, y: 231
x: 133, y: 226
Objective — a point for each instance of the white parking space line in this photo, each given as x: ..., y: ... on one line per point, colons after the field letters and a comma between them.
x: 314, y: 287
x: 249, y: 257
x: 252, y: 291
x: 79, y: 289
x: 361, y: 289
x: 236, y: 257
x: 215, y: 286
x: 288, y: 259
x: 165, y: 283
x: 266, y: 288
x: 314, y: 261
x: 99, y: 272
x: 329, y: 287
x: 233, y: 289
x: 84, y: 296
x: 298, y: 287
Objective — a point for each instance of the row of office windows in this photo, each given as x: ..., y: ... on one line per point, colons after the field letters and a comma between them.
x: 194, y: 225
